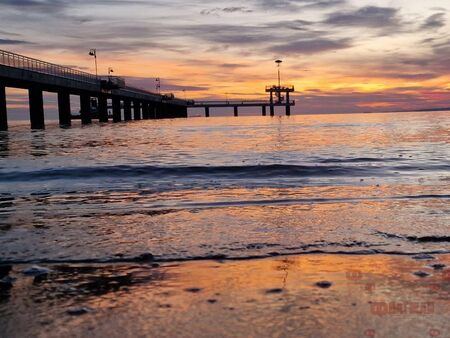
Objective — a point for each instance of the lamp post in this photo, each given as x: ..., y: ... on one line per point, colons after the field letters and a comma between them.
x: 158, y: 85
x: 93, y: 52
x: 279, y: 62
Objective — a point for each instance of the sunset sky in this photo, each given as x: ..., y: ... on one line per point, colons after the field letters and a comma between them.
x: 341, y: 55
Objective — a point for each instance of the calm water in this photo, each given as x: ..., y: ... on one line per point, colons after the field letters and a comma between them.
x: 235, y: 187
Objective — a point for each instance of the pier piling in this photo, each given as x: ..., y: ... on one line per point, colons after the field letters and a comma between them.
x: 264, y: 112
x: 206, y: 111
x: 117, y: 109
x: 85, y: 109
x: 137, y: 110
x: 3, y: 110
x: 65, y: 118
x: 236, y: 111
x: 103, y: 108
x: 127, y: 110
x: 36, y: 102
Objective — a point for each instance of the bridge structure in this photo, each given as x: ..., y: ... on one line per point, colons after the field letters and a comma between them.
x: 276, y: 99
x: 126, y: 102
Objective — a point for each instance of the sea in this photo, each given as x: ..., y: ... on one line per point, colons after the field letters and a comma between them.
x: 226, y: 188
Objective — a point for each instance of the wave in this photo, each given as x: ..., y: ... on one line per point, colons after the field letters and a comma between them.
x: 149, y: 258
x: 205, y: 172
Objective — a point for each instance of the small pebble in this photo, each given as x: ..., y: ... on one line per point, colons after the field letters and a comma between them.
x: 6, y: 283
x: 36, y: 270
x: 421, y: 274
x: 78, y: 311
x: 324, y: 284
x: 145, y: 257
x: 274, y: 291
x: 438, y: 266
x: 423, y: 257
x: 212, y: 301
x: 193, y: 290
x: 5, y: 270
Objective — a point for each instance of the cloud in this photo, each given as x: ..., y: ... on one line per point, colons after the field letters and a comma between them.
x: 289, y: 5
x: 13, y: 42
x: 310, y: 46
x: 46, y: 6
x: 434, y: 21
x: 217, y: 11
x: 370, y: 16
x: 166, y: 84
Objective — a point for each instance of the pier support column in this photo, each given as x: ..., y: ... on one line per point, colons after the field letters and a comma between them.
x: 272, y: 108
x: 85, y: 106
x: 36, y: 108
x: 127, y: 110
x: 206, y: 111
x: 264, y: 112
x: 137, y: 110
x: 103, y: 108
x: 288, y: 105
x: 158, y: 110
x: 117, y: 109
x: 151, y: 110
x: 3, y: 111
x: 145, y: 111
x: 65, y: 118
x: 236, y: 111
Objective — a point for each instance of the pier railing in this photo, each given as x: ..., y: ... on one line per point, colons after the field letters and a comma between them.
x: 23, y: 62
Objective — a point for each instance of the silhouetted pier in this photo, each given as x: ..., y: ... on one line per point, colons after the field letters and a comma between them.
x: 36, y: 76
x: 276, y: 100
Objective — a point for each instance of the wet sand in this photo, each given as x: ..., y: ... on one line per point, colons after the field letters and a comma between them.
x: 293, y: 296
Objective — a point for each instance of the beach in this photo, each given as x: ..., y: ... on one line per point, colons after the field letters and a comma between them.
x: 293, y: 296
x: 301, y: 226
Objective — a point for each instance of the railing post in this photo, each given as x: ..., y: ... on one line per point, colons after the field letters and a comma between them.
x: 36, y: 102
x: 117, y: 109
x: 3, y: 110
x: 64, y: 109
x: 85, y: 106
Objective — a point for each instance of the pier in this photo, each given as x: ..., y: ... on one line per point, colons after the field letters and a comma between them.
x: 108, y: 97
x: 36, y: 76
x: 265, y: 106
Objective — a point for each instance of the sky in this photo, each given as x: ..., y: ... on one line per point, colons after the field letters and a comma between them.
x: 341, y: 55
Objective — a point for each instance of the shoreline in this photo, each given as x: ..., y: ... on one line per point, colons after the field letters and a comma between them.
x: 313, y: 295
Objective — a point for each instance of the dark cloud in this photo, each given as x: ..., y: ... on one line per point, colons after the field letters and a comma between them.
x: 370, y: 16
x: 12, y: 42
x: 434, y: 21
x: 46, y: 6
x: 311, y: 46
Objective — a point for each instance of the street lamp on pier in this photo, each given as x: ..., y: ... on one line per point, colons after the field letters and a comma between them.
x: 279, y: 62
x: 93, y: 52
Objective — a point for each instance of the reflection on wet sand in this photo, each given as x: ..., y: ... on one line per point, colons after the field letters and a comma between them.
x: 298, y: 296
